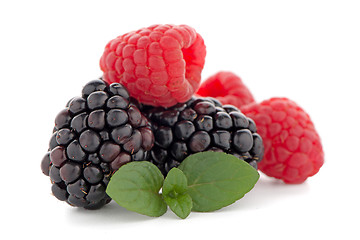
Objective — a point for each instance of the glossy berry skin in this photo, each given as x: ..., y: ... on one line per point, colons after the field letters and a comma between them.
x: 293, y: 149
x: 202, y: 124
x: 160, y: 65
x: 94, y: 136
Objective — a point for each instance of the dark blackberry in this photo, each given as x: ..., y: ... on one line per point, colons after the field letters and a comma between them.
x: 94, y: 136
x: 202, y: 124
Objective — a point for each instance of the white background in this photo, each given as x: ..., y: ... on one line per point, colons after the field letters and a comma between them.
x: 308, y: 51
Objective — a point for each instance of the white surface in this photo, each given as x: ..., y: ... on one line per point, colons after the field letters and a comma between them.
x: 308, y: 51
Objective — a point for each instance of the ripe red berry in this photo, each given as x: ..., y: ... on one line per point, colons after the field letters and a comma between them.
x: 227, y: 88
x: 293, y: 150
x: 160, y: 65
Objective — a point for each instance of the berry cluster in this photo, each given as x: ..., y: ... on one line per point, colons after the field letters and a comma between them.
x: 94, y: 136
x: 144, y: 109
x: 160, y: 65
x: 293, y: 147
x: 202, y: 124
x: 293, y: 150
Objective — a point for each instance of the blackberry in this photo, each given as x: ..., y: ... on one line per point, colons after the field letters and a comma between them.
x: 202, y: 124
x: 94, y: 136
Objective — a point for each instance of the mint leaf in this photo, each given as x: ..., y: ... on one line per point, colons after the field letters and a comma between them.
x: 135, y: 186
x: 175, y: 193
x: 181, y: 205
x: 216, y: 179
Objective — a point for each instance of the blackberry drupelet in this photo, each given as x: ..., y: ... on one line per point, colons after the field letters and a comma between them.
x: 94, y: 136
x: 202, y: 124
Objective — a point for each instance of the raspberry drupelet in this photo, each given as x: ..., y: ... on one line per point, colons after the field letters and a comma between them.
x: 159, y: 65
x: 293, y: 149
x: 228, y: 88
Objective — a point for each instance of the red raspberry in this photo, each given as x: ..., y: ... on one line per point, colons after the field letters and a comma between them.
x: 160, y: 65
x: 293, y: 150
x: 227, y: 88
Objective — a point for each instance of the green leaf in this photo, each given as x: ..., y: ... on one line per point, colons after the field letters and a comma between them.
x: 175, y: 193
x: 216, y: 179
x: 135, y: 186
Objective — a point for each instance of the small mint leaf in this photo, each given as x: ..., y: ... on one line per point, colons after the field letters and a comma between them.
x: 135, y: 186
x: 181, y: 205
x: 175, y: 193
x: 217, y: 179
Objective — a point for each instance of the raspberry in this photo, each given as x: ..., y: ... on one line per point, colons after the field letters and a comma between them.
x: 94, y: 136
x: 293, y: 150
x: 202, y: 124
x: 160, y: 65
x: 227, y: 88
